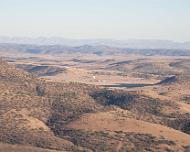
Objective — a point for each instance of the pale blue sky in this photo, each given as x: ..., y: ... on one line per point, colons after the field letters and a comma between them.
x: 114, y: 19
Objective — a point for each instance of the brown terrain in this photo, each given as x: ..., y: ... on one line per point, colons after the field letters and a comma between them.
x: 77, y: 102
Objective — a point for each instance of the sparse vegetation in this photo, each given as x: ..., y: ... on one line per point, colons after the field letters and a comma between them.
x: 39, y: 113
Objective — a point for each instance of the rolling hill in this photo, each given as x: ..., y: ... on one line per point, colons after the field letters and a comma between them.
x: 38, y: 115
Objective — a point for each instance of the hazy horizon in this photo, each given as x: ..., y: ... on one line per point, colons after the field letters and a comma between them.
x: 96, y: 19
x: 91, y: 39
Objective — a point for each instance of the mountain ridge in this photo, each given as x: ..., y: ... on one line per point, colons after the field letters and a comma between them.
x: 129, y: 43
x: 90, y: 49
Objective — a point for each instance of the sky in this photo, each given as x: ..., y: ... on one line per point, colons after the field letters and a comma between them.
x: 96, y: 19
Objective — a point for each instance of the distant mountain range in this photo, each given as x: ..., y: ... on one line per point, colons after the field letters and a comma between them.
x: 132, y: 44
x: 99, y: 50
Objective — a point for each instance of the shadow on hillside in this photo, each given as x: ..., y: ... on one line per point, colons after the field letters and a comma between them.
x: 167, y: 80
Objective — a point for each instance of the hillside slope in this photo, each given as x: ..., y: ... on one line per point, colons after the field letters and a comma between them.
x: 79, y: 117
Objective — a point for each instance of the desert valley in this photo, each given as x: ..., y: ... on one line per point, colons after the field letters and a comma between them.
x: 94, y: 98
